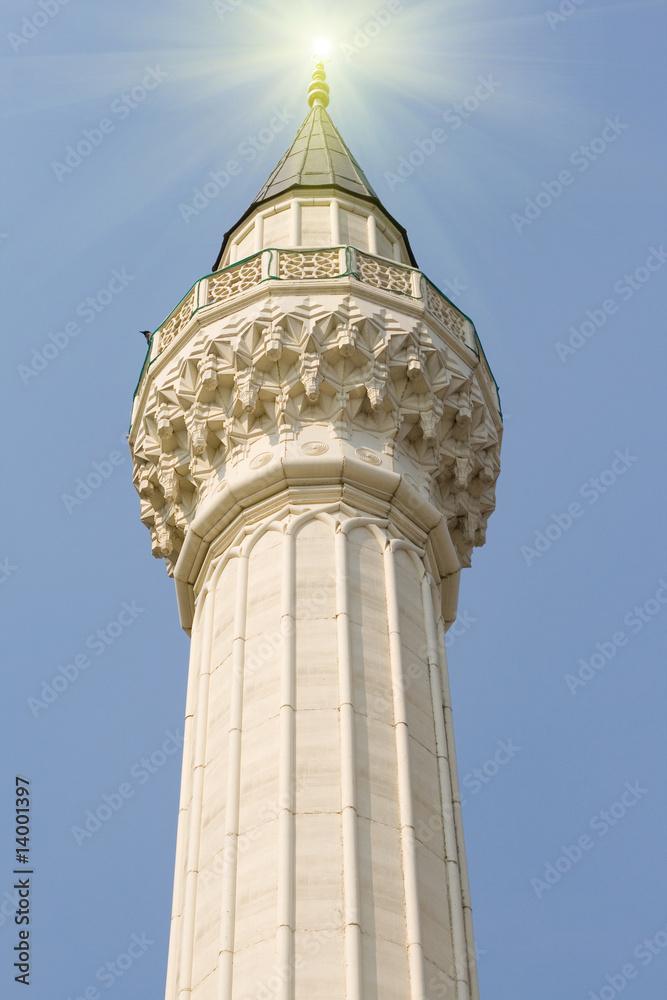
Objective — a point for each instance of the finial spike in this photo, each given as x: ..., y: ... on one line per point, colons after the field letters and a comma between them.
x: 318, y: 92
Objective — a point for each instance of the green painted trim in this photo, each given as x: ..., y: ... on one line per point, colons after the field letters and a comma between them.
x: 349, y: 250
x: 477, y: 340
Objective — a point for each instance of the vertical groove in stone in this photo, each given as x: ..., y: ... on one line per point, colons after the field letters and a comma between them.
x: 276, y: 956
x: 184, y: 808
x: 335, y: 223
x: 471, y: 964
x: 295, y: 224
x: 230, y: 847
x: 351, y: 899
x: 194, y: 833
x: 454, y: 892
x: 286, y: 825
x: 405, y: 792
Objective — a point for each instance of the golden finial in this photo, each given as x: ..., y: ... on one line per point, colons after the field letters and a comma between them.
x: 318, y: 92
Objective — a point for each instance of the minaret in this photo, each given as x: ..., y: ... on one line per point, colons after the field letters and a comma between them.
x: 316, y: 439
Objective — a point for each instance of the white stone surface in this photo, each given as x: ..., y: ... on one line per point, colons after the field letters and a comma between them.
x: 316, y: 443
x: 253, y: 841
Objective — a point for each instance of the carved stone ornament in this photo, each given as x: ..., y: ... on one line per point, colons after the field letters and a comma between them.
x: 373, y: 377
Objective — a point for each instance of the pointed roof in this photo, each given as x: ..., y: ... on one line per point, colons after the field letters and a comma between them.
x: 318, y: 157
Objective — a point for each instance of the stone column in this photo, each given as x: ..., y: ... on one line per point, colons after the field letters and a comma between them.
x: 316, y: 465
x: 317, y: 846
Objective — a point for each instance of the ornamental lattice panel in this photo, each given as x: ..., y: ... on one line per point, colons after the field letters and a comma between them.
x: 178, y: 320
x: 235, y: 280
x: 318, y: 264
x: 383, y: 274
x: 450, y: 318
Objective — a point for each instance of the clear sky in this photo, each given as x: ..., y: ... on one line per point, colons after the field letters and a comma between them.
x: 542, y: 215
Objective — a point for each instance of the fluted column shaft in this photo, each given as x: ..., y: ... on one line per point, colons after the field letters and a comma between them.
x: 317, y: 851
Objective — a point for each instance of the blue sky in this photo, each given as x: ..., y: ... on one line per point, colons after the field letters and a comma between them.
x: 542, y: 214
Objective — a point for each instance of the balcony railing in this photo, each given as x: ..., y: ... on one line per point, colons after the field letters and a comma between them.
x: 314, y: 265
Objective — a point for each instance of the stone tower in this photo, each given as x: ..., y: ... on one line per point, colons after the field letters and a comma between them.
x: 316, y: 439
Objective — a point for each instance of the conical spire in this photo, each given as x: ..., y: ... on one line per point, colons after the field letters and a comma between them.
x: 318, y: 158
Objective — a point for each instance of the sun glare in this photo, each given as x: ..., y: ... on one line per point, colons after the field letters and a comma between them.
x: 322, y: 48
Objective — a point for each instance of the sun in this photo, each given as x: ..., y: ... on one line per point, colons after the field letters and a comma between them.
x: 322, y: 49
